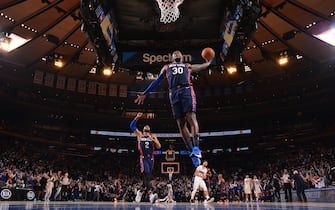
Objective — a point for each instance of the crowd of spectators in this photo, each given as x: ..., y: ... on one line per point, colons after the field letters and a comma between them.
x: 54, y: 175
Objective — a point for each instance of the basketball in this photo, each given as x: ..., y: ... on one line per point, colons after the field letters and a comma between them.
x: 208, y: 54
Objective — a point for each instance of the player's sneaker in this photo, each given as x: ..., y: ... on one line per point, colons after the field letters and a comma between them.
x: 210, y: 200
x: 196, y: 161
x: 196, y: 152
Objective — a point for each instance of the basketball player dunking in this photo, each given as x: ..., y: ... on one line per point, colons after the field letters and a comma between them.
x: 146, y: 144
x: 182, y: 98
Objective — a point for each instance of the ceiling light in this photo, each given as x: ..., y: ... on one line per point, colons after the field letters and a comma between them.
x: 58, y: 63
x: 283, y: 60
x: 107, y: 71
x: 232, y: 69
x: 11, y: 42
x: 327, y: 36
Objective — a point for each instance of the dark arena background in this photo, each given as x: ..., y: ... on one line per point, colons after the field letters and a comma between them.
x: 70, y: 71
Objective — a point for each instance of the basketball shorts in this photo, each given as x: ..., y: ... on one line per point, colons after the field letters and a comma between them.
x: 182, y: 100
x: 199, y: 184
x: 146, y: 164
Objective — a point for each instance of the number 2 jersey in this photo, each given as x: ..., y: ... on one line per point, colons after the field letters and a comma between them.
x: 146, y: 147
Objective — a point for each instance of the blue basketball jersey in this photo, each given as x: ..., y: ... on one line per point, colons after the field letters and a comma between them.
x: 146, y: 147
x: 178, y: 75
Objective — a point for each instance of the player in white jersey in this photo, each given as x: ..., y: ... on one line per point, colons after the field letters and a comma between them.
x: 199, y: 183
x: 247, y: 188
x: 257, y: 188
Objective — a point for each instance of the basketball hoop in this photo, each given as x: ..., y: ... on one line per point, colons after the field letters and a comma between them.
x: 169, y: 10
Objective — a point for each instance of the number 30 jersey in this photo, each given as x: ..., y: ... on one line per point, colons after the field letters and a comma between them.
x: 146, y: 147
x: 178, y: 75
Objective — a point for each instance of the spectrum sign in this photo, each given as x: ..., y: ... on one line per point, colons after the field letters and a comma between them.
x: 159, y: 58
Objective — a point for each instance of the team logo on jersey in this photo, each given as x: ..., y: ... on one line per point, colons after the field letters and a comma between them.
x: 6, y: 194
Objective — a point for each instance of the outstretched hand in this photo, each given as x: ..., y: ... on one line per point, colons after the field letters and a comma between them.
x: 140, y: 99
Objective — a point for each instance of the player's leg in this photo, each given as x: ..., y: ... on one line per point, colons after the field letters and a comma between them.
x: 192, y: 120
x: 185, y: 133
x: 178, y: 114
x: 147, y: 173
x: 178, y: 109
x: 196, y: 185
x: 187, y: 140
x: 189, y: 108
x: 205, y: 190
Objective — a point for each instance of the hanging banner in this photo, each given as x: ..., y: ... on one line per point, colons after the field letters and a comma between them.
x: 123, y: 91
x: 82, y: 86
x: 112, y: 90
x: 60, y: 84
x: 71, y: 84
x: 38, y: 77
x: 49, y: 80
x: 102, y: 88
x: 92, y: 88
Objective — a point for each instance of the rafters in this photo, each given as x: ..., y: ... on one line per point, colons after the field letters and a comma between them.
x: 70, y: 33
x: 60, y: 19
x: 10, y: 4
x: 32, y: 15
x: 271, y: 31
x: 76, y: 54
x: 310, y: 10
x: 289, y: 21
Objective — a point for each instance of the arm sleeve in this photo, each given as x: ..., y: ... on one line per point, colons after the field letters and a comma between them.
x: 133, y: 125
x: 154, y: 83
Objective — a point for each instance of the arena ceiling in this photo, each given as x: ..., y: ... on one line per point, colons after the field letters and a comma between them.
x: 54, y: 27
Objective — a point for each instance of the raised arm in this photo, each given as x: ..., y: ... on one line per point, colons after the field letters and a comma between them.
x: 140, y: 98
x: 133, y: 124
x: 156, y: 141
x: 199, y: 67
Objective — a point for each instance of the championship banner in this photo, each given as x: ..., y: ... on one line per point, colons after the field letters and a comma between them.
x: 92, y: 88
x: 160, y: 58
x: 49, y: 80
x: 38, y: 77
x: 112, y: 90
x: 107, y: 29
x: 71, y: 84
x: 102, y: 88
x: 229, y: 33
x: 60, y: 84
x: 82, y: 86
x: 123, y: 91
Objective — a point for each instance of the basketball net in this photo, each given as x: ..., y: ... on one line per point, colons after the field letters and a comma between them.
x: 169, y: 10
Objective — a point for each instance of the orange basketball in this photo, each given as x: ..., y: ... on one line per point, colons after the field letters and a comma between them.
x: 208, y: 54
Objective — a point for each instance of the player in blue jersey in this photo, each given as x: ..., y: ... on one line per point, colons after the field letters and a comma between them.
x: 182, y: 98
x: 147, y: 142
